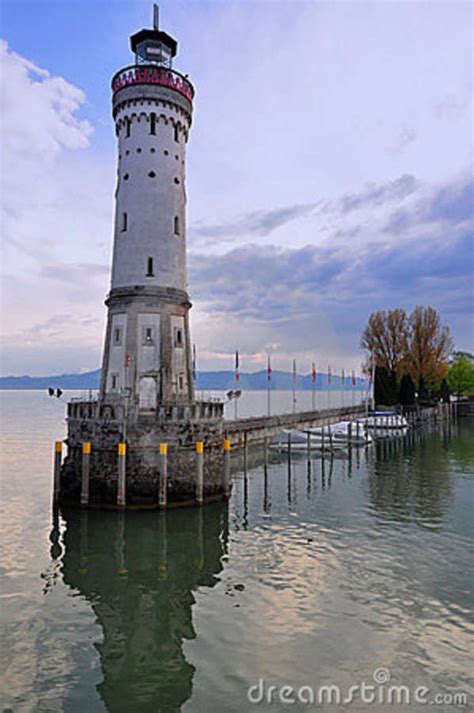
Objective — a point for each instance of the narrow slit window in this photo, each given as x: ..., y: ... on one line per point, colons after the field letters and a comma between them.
x: 127, y: 127
x: 149, y: 265
x: 176, y: 133
x: 124, y: 222
x: 117, y: 336
x: 178, y: 337
x: 176, y: 225
x: 181, y: 382
x: 148, y: 336
x: 152, y: 123
x: 114, y: 381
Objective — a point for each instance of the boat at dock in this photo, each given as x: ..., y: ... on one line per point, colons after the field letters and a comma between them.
x: 384, y: 420
x: 298, y: 441
x: 348, y: 432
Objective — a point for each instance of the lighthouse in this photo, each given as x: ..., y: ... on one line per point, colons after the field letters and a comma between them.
x: 145, y: 441
x: 147, y: 353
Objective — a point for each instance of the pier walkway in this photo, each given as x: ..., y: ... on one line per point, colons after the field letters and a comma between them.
x: 256, y: 429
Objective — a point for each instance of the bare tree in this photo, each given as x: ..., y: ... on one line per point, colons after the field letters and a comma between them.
x: 429, y: 347
x: 386, y: 340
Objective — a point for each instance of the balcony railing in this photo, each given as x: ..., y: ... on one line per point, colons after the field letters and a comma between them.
x: 152, y: 74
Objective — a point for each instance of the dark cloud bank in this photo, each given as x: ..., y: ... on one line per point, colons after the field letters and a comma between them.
x: 423, y: 255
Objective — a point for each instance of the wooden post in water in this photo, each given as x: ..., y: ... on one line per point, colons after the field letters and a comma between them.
x: 349, y: 434
x: 308, y: 448
x: 323, y: 443
x: 121, y: 483
x: 58, y: 456
x: 199, y: 472
x: 265, y: 454
x: 85, y: 473
x: 163, y: 486
x: 226, y: 483
x: 357, y: 430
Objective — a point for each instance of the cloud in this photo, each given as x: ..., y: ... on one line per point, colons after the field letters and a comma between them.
x: 264, y: 222
x: 321, y: 295
x: 401, y: 140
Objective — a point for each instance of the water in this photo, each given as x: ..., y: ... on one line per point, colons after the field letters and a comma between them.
x: 303, y: 579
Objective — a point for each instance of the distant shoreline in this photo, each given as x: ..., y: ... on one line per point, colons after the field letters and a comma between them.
x: 206, y: 381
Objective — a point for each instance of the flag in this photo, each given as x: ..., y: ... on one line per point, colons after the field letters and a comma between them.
x: 313, y: 372
x: 329, y: 376
x: 127, y: 360
x: 294, y: 371
x: 237, y: 373
x: 269, y: 370
x: 194, y: 362
x: 353, y: 378
x: 343, y: 377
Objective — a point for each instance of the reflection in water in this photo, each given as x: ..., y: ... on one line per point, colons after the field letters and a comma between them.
x: 139, y: 572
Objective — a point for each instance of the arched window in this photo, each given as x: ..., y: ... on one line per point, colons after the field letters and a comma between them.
x: 149, y: 265
x: 176, y: 225
x: 152, y: 123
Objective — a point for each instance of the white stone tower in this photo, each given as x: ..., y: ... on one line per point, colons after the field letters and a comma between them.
x: 147, y: 352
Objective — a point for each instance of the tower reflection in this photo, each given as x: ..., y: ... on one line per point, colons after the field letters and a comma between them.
x: 139, y: 572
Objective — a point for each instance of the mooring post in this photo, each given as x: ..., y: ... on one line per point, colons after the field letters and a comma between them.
x: 121, y: 492
x: 330, y: 436
x: 308, y: 446
x: 323, y: 444
x: 357, y: 431
x: 245, y: 453
x: 349, y: 434
x: 58, y: 456
x: 265, y: 454
x: 200, y: 472
x: 226, y: 483
x: 163, y: 487
x: 86, y: 462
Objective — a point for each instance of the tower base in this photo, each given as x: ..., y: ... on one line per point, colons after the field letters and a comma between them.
x: 163, y: 464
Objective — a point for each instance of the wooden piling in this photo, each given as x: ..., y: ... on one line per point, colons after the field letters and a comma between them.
x: 85, y: 473
x: 246, y: 453
x: 308, y: 447
x: 58, y: 456
x: 265, y: 454
x: 199, y: 472
x: 121, y: 482
x: 227, y: 481
x: 349, y: 434
x: 163, y: 486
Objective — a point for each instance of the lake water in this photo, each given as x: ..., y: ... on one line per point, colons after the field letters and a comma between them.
x: 315, y: 577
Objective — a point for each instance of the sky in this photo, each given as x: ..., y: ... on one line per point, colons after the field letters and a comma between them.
x: 330, y: 174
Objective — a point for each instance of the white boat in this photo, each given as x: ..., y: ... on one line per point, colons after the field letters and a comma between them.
x: 356, y: 435
x: 299, y: 441
x: 384, y: 420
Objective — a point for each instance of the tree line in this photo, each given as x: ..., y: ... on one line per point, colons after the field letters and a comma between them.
x: 410, y: 355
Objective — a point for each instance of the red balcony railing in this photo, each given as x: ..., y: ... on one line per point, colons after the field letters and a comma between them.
x: 151, y: 74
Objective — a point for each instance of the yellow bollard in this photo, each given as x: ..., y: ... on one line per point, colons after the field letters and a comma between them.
x: 58, y: 456
x: 121, y: 491
x: 86, y: 456
x: 199, y: 472
x: 227, y: 481
x: 163, y: 487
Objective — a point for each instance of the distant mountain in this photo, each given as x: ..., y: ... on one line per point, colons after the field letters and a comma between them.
x: 206, y: 381
x: 86, y: 380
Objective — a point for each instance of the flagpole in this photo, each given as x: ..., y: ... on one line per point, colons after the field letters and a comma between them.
x: 294, y: 386
x: 343, y: 389
x: 237, y: 378
x: 353, y: 388
x: 269, y: 378
x: 329, y: 379
x: 313, y: 381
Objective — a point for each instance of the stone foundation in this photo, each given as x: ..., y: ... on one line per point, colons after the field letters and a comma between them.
x: 180, y: 428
